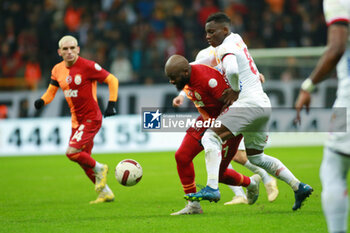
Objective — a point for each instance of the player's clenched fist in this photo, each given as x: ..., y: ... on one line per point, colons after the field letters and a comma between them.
x: 39, y: 103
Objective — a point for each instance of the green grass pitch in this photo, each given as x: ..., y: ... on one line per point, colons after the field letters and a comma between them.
x: 52, y: 194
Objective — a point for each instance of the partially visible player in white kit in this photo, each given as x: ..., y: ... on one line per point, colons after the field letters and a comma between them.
x: 248, y: 115
x: 240, y: 157
x: 336, y: 155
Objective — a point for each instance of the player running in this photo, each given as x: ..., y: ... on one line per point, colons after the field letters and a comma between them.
x: 248, y: 115
x: 77, y: 78
x: 206, y: 94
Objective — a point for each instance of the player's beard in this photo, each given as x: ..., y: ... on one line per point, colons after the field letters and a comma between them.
x: 182, y: 83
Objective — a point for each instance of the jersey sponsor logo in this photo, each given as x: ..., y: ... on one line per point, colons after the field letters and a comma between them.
x: 77, y: 79
x: 212, y: 83
x: 71, y: 93
x: 98, y: 67
x: 69, y: 79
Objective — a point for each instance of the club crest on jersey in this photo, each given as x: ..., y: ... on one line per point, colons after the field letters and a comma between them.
x: 190, y: 93
x: 212, y: 83
x: 98, y: 67
x: 69, y: 79
x: 197, y: 95
x: 77, y: 79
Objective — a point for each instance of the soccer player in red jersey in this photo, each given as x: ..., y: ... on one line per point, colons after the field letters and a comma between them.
x: 206, y: 92
x: 77, y: 78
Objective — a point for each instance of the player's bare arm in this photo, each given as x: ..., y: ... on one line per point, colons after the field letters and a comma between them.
x: 336, y: 45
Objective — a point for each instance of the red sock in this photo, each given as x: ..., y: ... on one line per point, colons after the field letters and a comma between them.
x: 83, y: 158
x: 231, y: 177
x: 85, y: 161
x: 188, y: 149
x: 89, y: 172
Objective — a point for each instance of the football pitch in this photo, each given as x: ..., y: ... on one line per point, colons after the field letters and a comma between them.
x: 52, y: 194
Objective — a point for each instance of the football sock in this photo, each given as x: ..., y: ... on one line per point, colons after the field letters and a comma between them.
x: 257, y: 170
x: 276, y: 168
x: 231, y: 177
x: 98, y: 167
x: 83, y: 158
x: 194, y: 203
x: 237, y: 190
x: 106, y: 189
x: 334, y: 196
x: 89, y: 172
x: 188, y: 149
x: 212, y: 146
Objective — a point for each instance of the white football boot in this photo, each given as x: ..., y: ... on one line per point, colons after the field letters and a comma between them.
x: 192, y: 207
x: 271, y: 190
x: 237, y: 200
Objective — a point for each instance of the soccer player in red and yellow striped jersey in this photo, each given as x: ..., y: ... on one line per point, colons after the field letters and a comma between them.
x: 77, y: 77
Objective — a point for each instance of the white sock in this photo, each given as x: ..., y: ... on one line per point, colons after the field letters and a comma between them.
x: 237, y: 190
x: 194, y: 203
x: 106, y: 189
x: 212, y: 146
x: 98, y: 167
x: 334, y: 196
x: 257, y: 170
x: 276, y: 168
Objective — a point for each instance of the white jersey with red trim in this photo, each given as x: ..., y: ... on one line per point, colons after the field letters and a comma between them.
x: 337, y: 11
x: 248, y: 73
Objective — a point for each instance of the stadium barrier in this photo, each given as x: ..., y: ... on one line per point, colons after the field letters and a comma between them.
x: 118, y: 134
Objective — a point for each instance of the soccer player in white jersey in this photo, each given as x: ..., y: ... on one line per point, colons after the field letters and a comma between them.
x: 336, y: 154
x: 249, y: 114
x: 241, y: 156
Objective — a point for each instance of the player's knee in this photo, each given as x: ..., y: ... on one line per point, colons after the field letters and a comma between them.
x: 240, y: 157
x: 256, y: 159
x: 72, y: 153
x: 211, y: 141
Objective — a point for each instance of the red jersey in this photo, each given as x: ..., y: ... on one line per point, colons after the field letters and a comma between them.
x: 205, y: 89
x: 78, y: 84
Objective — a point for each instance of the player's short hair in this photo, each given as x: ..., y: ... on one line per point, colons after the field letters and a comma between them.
x: 219, y: 17
x: 67, y: 38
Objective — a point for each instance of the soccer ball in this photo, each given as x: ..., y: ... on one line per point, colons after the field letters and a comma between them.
x: 128, y: 172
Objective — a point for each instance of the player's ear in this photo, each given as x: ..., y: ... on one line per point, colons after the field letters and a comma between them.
x: 59, y: 52
x: 78, y: 49
x: 226, y: 30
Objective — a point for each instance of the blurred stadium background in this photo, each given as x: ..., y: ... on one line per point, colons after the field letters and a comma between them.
x: 132, y: 39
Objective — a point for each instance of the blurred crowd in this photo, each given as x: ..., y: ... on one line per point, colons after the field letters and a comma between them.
x: 133, y: 38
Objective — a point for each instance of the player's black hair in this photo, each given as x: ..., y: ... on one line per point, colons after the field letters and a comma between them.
x: 218, y: 17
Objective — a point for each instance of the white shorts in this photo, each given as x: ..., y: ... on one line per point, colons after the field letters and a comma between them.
x: 340, y: 141
x: 250, y: 118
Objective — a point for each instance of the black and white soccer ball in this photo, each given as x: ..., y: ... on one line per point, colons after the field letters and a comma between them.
x: 128, y: 172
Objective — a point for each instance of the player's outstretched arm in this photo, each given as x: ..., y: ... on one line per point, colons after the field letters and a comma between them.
x: 113, y: 85
x: 47, y: 97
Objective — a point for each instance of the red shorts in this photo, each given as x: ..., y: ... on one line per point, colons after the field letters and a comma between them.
x: 229, y: 148
x: 84, y: 134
